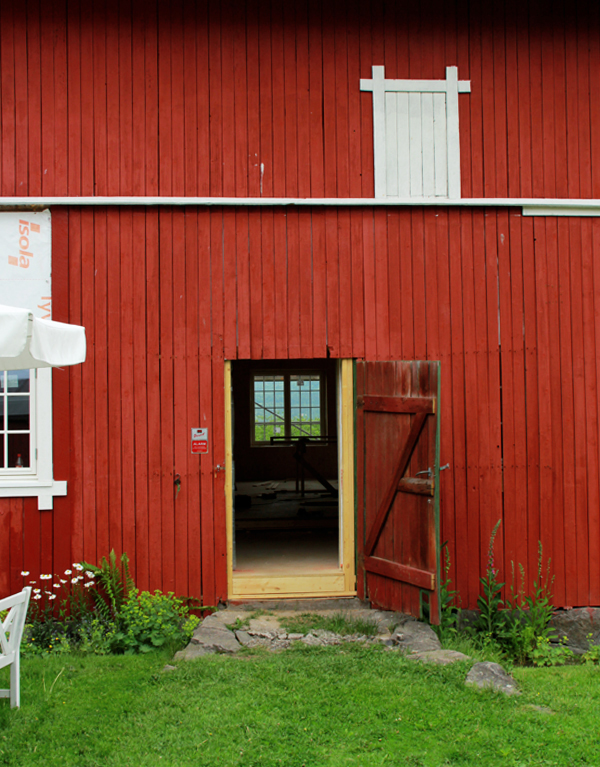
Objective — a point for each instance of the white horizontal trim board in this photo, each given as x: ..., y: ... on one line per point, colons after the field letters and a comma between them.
x: 531, y: 206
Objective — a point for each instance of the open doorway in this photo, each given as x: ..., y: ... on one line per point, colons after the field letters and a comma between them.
x: 287, y: 531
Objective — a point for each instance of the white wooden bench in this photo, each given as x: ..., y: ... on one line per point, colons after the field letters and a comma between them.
x: 11, y: 632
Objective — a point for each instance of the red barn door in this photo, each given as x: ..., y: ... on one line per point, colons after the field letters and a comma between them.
x: 397, y: 435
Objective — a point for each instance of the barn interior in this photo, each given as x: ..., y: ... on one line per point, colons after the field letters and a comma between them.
x: 285, y: 453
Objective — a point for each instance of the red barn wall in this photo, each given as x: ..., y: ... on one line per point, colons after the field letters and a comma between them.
x: 149, y: 98
x: 140, y: 97
x: 508, y: 304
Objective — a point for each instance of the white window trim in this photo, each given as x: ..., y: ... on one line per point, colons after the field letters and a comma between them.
x: 42, y: 483
x: 451, y: 86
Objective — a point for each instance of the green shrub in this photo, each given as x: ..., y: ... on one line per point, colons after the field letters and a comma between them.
x: 149, y: 621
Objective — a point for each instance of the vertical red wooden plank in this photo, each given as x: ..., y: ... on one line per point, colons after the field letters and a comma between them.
x: 17, y: 131
x: 256, y: 254
x: 382, y: 308
x: 85, y: 86
x: 165, y: 100
x: 293, y: 279
x: 138, y: 102
x: 535, y: 89
x: 103, y: 541
x: 498, y: 39
x: 547, y: 233
x: 269, y: 121
x: 367, y: 60
x: 220, y: 539
x: 115, y: 341
x: 357, y: 297
x: 488, y: 86
x: 153, y: 366
x: 233, y: 289
x: 288, y: 34
x: 228, y: 127
x: 395, y: 290
x: 512, y: 100
x: 126, y: 80
x: 76, y: 300
x: 579, y: 411
x: 558, y: 114
x: 319, y: 266
x: 193, y: 403
x: 34, y: 92
x: 252, y: 99
x: 305, y: 284
x: 243, y: 283
x: 244, y: 158
x: 151, y: 155
x: 60, y: 116
x: 14, y: 541
x: 100, y: 154
x: 454, y: 481
x: 340, y: 30
x: 329, y: 101
x: 303, y: 100
x: 333, y: 291
x: 270, y: 319
x: 6, y: 516
x: 317, y: 182
x: 475, y: 107
x: 280, y: 258
x: 583, y: 111
x: 468, y: 582
x: 181, y: 432
x: 419, y: 286
x: 73, y: 99
x: 369, y: 278
x: 178, y: 75
x: 59, y: 521
x: 594, y: 95
x: 129, y: 478
x: 168, y: 490
x: 345, y: 282
x: 113, y: 139
x: 354, y: 100
x: 142, y: 351
x: 205, y: 398
x: 191, y: 117
x: 278, y: 105
x: 43, y: 129
x: 568, y: 440
x: 523, y: 71
x: 548, y: 95
x: 434, y: 254
x: 7, y: 105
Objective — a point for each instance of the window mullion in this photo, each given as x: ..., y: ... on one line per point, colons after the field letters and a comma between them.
x: 288, y: 406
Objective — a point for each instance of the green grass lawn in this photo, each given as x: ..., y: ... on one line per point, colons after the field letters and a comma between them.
x: 306, y: 706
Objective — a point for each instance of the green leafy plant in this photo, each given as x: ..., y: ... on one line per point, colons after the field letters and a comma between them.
x: 150, y: 621
x: 113, y: 583
x: 547, y: 654
x: 490, y: 620
x: 449, y: 610
x: 592, y: 655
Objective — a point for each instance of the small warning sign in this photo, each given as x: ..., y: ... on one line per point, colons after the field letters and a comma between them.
x: 199, y: 441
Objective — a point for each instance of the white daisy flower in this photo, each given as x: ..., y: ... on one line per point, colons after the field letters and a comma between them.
x: 24, y: 572
x: 52, y: 596
x: 89, y: 574
x: 36, y: 591
x: 45, y: 577
x: 68, y: 572
x: 37, y: 596
x: 88, y: 584
x: 77, y: 566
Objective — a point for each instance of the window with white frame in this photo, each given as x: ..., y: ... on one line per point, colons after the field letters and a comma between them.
x: 26, y: 395
x: 287, y: 406
x: 415, y: 135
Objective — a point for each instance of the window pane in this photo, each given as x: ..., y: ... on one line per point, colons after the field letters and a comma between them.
x: 18, y: 413
x: 17, y: 381
x: 18, y: 450
x: 306, y: 410
x: 269, y: 407
x: 1, y: 413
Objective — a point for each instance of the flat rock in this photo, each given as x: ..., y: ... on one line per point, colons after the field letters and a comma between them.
x: 312, y: 640
x: 216, y: 620
x: 216, y: 639
x: 295, y: 637
x: 193, y: 651
x: 264, y: 624
x: 247, y: 640
x: 441, y: 657
x: 414, y: 636
x: 168, y: 667
x: 492, y: 675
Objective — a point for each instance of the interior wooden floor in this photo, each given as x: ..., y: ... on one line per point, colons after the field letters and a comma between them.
x: 286, y: 551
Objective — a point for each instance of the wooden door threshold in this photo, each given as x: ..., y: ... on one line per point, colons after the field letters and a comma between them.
x: 293, y: 586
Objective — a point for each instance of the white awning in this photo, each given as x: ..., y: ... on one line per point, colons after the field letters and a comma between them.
x: 28, y: 342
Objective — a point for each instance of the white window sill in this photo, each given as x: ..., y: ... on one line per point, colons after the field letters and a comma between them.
x: 44, y: 490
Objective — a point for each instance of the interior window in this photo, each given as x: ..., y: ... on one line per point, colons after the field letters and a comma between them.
x: 287, y: 406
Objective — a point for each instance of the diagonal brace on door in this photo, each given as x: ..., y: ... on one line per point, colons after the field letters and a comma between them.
x: 386, y: 503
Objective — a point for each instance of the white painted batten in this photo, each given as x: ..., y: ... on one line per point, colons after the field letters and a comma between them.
x: 531, y: 206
